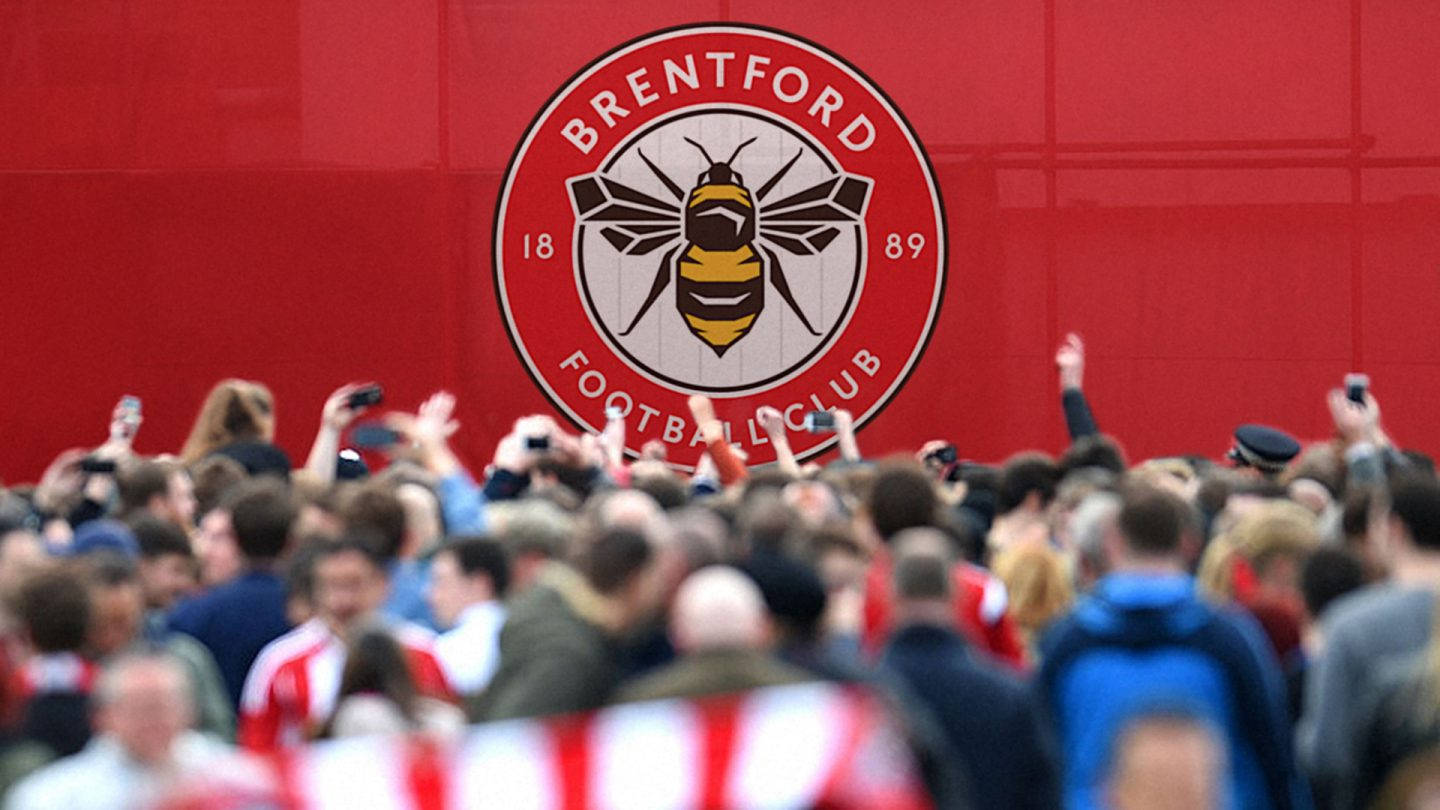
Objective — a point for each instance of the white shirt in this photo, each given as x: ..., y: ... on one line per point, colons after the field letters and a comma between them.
x: 470, y: 652
x: 102, y: 776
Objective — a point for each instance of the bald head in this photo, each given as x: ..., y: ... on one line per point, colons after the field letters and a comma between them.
x: 718, y: 608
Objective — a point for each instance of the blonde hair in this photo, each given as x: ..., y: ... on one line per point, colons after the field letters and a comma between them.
x: 234, y: 410
x: 1274, y: 529
x: 1038, y: 584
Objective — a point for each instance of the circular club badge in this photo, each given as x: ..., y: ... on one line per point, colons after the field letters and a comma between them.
x: 720, y: 210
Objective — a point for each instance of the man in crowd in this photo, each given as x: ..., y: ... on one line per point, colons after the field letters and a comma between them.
x: 469, y: 578
x: 988, y: 717
x: 559, y: 649
x: 143, y: 743
x: 158, y: 489
x: 292, y: 688
x: 1367, y: 629
x: 237, y: 618
x: 719, y: 626
x: 1144, y: 637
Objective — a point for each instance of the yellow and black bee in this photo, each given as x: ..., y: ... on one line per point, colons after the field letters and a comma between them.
x: 718, y: 238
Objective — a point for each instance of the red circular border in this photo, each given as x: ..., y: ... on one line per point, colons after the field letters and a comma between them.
x: 897, y: 335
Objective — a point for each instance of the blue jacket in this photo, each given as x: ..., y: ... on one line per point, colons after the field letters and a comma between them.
x: 234, y: 621
x: 1140, y: 642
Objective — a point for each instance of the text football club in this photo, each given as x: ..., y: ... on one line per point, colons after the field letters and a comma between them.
x: 724, y: 210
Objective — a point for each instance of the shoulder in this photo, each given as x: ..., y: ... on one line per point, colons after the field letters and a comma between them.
x: 74, y: 781
x: 295, y: 645
x: 1373, y: 604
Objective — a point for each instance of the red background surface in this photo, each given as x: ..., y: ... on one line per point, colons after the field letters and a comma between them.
x: 1235, y: 203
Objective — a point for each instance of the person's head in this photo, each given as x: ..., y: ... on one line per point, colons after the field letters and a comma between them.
x: 300, y: 578
x: 54, y: 606
x: 1413, y: 521
x: 378, y: 511
x: 1093, y: 529
x: 1027, y: 481
x: 22, y: 552
x: 1170, y: 759
x: 902, y: 497
x: 1155, y: 527
x: 1094, y: 451
x: 159, y: 488
x: 718, y: 608
x: 1327, y: 575
x: 167, y: 563
x: 261, y: 514
x: 375, y: 665
x: 466, y: 571
x: 618, y: 563
x: 235, y: 410
x: 533, y: 532
x: 350, y: 583
x: 216, y: 548
x: 213, y: 476
x: 143, y: 701
x: 920, y: 579
x: 1273, y: 540
x: 1038, y: 584
x: 117, y: 604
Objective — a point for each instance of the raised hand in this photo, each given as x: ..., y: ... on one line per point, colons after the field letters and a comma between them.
x: 1070, y: 360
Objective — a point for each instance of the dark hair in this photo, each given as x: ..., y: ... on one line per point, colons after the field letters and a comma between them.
x: 1327, y: 575
x: 142, y: 480
x: 158, y: 538
x: 667, y: 490
x: 261, y: 512
x: 903, y: 497
x: 213, y: 477
x: 109, y: 569
x: 378, y: 509
x: 612, y: 557
x: 481, y: 555
x: 1095, y: 450
x: 1024, y: 474
x: 375, y: 664
x: 1152, y: 521
x: 300, y: 569
x: 1415, y: 500
x: 360, y: 542
x: 54, y: 605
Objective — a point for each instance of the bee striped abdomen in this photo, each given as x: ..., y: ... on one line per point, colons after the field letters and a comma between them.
x: 720, y: 293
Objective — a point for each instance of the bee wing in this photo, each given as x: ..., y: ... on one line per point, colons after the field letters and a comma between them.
x: 631, y: 221
x: 806, y: 222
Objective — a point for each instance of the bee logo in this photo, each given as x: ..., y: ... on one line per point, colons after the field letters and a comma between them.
x: 719, y: 242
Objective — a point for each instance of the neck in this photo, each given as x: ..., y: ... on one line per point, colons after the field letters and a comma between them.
x: 1149, y: 566
x: 1419, y: 568
x: 932, y: 612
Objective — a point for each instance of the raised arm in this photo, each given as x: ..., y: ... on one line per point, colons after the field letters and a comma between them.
x: 1070, y: 362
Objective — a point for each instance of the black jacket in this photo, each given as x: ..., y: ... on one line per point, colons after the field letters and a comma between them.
x: 989, y: 718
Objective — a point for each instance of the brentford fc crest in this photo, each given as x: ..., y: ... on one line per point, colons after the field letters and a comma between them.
x: 726, y: 210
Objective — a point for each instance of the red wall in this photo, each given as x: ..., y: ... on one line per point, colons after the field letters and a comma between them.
x: 301, y: 192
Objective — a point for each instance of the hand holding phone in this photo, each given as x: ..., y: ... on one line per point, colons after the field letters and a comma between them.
x: 1356, y: 386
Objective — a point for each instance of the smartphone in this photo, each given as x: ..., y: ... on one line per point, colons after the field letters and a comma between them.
x: 130, y: 404
x: 91, y: 464
x: 369, y: 395
x: 1355, y: 387
x: 373, y: 435
x: 614, y: 414
x: 819, y: 421
x: 538, y: 443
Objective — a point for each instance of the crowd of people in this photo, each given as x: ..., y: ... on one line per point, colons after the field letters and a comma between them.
x: 1079, y: 631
